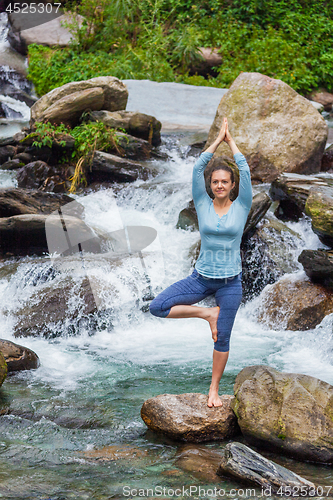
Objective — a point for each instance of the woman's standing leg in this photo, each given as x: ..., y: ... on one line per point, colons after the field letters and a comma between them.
x: 228, y: 298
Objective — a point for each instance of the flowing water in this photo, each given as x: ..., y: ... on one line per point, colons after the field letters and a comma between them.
x: 72, y: 429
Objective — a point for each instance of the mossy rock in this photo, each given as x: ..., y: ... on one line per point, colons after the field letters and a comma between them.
x: 319, y: 206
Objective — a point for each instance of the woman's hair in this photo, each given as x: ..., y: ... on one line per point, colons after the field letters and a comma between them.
x: 222, y: 167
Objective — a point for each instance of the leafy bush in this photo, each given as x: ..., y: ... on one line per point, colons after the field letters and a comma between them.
x: 160, y: 39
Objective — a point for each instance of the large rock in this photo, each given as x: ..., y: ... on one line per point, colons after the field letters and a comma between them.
x: 69, y: 108
x: 137, y: 124
x: 16, y: 201
x: 39, y: 175
x: 318, y: 265
x: 18, y: 357
x: 324, y: 98
x: 114, y: 91
x: 275, y: 128
x: 26, y: 234
x: 294, y: 305
x: 111, y: 168
x: 200, y: 462
x: 186, y: 417
x: 288, y: 412
x: 240, y: 462
x: 6, y: 153
x: 292, y: 190
x: 51, y: 312
x: 267, y: 255
x: 3, y: 369
x: 319, y: 206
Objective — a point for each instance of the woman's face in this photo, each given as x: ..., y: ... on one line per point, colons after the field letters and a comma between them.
x: 221, y: 184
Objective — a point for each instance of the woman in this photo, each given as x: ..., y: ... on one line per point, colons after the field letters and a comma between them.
x: 218, y: 269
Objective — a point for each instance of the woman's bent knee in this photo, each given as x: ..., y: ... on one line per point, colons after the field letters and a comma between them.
x: 156, y: 310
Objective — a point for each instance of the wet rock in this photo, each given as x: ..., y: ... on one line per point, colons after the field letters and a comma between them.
x: 18, y: 357
x: 188, y: 218
x: 69, y: 108
x: 114, y: 91
x: 108, y: 167
x: 18, y: 94
x: 277, y: 129
x: 274, y: 246
x: 261, y: 202
x: 134, y: 123
x: 199, y: 461
x: 49, y: 313
x: 12, y: 164
x: 186, y: 417
x: 3, y: 369
x: 7, y: 153
x: 319, y: 206
x: 132, y: 147
x: 294, y: 304
x: 17, y: 201
x: 327, y: 159
x: 292, y: 190
x: 36, y: 174
x: 286, y: 412
x: 240, y: 462
x: 318, y: 265
x: 26, y: 234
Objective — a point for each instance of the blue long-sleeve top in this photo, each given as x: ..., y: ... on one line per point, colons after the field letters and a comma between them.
x: 221, y: 236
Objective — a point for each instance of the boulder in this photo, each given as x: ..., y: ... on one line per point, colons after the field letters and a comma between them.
x: 26, y: 234
x: 286, y: 412
x: 267, y: 255
x: 39, y: 175
x: 134, y: 123
x: 108, y: 167
x: 209, y: 59
x: 188, y: 218
x: 114, y: 91
x: 292, y: 190
x: 327, y: 159
x: 16, y: 201
x: 132, y: 147
x: 69, y: 108
x: 319, y: 206
x: 318, y: 265
x: 240, y: 462
x: 18, y: 357
x: 3, y: 369
x: 51, y: 33
x: 186, y: 417
x: 294, y: 304
x: 276, y: 129
x: 52, y: 312
x: 23, y: 157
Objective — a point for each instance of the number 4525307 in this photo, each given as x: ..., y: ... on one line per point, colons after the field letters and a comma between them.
x: 32, y: 8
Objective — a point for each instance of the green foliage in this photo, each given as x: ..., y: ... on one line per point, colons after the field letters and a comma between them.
x: 90, y: 136
x: 46, y: 134
x: 160, y: 39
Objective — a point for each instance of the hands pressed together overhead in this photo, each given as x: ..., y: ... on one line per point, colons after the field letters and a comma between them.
x: 224, y: 135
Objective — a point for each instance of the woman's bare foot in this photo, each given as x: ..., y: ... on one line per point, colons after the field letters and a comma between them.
x: 211, y: 317
x: 213, y: 398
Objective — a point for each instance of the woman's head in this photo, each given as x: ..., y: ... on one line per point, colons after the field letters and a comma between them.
x: 221, y: 181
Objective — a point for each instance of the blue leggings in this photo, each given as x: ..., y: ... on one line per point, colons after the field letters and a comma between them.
x: 228, y: 296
